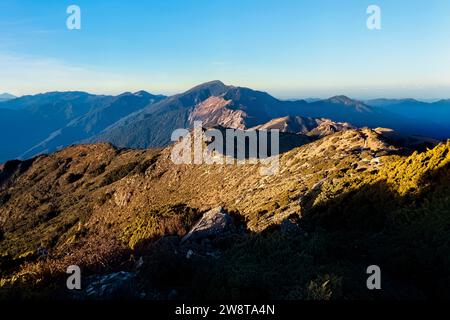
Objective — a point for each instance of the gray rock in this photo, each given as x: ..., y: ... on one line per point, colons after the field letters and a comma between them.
x: 110, y: 285
x: 213, y: 223
x: 287, y: 226
x: 139, y: 263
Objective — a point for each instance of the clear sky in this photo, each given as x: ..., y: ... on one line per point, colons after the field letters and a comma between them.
x: 292, y: 49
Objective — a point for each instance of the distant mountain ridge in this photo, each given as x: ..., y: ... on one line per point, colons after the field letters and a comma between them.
x: 437, y: 113
x: 43, y: 123
x: 94, y: 121
x: 6, y: 97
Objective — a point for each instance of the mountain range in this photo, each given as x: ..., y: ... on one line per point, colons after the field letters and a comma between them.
x: 435, y: 112
x: 43, y: 123
x: 357, y: 185
x: 46, y: 122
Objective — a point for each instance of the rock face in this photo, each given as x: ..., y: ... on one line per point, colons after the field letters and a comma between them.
x: 214, y: 111
x: 213, y: 223
x: 110, y: 286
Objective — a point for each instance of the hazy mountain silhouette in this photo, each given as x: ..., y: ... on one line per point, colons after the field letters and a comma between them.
x: 6, y: 97
x: 94, y: 121
x: 44, y: 122
x: 28, y: 120
x: 432, y: 117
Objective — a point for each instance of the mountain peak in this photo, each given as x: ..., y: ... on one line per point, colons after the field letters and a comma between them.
x: 142, y: 93
x: 6, y: 96
x: 212, y: 85
x: 214, y: 82
x: 343, y: 99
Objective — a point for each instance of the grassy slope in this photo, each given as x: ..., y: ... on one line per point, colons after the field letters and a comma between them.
x: 96, y: 207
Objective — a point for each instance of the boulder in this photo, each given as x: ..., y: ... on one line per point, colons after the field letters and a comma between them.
x: 110, y: 285
x: 214, y: 223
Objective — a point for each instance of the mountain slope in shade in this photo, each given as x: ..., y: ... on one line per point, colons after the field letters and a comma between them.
x: 94, y: 121
x: 26, y: 121
x: 344, y: 109
x: 409, y: 142
x: 30, y: 125
x: 153, y: 125
x: 434, y: 117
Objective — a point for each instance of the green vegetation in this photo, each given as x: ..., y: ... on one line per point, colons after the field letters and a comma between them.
x: 119, y: 173
x: 171, y: 220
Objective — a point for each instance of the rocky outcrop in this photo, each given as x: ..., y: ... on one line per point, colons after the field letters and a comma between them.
x: 110, y: 286
x: 214, y: 111
x: 214, y: 223
x: 313, y: 127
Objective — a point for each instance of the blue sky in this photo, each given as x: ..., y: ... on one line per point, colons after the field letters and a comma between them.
x: 291, y: 49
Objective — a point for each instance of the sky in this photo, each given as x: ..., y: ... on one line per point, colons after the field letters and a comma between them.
x: 289, y: 48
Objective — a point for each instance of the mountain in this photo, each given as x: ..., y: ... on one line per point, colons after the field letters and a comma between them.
x: 355, y: 185
x: 378, y: 113
x: 344, y: 109
x: 6, y: 97
x: 94, y: 121
x: 44, y: 122
x: 432, y: 117
x: 28, y: 120
x: 383, y: 102
x: 309, y: 100
x: 130, y: 218
x: 153, y: 125
x: 409, y: 142
x: 308, y: 126
x: 215, y: 103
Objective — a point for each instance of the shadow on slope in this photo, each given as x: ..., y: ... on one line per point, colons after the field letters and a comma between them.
x: 399, y: 225
x: 404, y: 231
x: 398, y: 219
